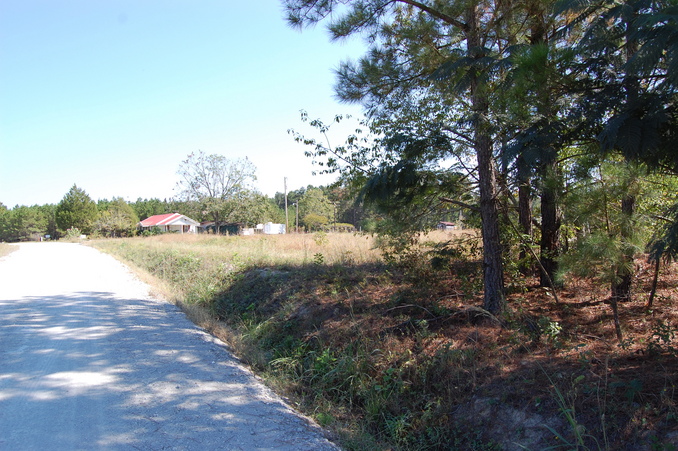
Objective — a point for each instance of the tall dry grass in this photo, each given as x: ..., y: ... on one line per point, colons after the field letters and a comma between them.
x: 195, y: 268
x: 265, y: 250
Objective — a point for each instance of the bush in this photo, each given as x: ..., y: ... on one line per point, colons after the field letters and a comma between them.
x: 72, y: 234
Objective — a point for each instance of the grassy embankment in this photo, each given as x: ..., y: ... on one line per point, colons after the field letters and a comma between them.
x: 398, y: 356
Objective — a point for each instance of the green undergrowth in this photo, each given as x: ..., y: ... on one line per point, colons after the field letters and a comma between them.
x: 317, y: 335
x: 399, y: 356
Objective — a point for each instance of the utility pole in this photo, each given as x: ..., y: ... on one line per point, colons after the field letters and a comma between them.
x: 287, y: 220
x: 334, y: 225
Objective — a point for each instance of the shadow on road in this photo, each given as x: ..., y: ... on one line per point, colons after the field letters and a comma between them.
x: 90, y: 370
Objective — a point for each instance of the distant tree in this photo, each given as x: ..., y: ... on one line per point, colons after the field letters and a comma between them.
x: 118, y: 220
x: 314, y: 221
x: 314, y: 202
x: 49, y: 211
x: 27, y: 223
x: 251, y: 208
x: 145, y: 208
x: 4, y: 222
x: 21, y: 223
x: 344, y: 202
x: 76, y: 210
x: 292, y: 197
x: 211, y: 181
x: 102, y: 205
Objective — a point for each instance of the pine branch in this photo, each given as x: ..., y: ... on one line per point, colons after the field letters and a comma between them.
x: 437, y: 14
x: 460, y: 203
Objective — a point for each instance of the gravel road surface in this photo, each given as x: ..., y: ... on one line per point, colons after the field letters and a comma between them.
x: 88, y: 360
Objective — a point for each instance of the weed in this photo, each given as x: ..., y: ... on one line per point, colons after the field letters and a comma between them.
x: 549, y: 329
x: 324, y: 419
x: 661, y: 339
x: 320, y: 238
x: 347, y: 258
x: 566, y: 405
x: 318, y: 259
x: 72, y: 234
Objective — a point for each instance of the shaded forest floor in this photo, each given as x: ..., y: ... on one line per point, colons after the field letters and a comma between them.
x: 402, y: 357
x: 390, y: 361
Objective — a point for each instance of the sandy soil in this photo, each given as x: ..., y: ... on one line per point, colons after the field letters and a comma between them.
x: 88, y: 360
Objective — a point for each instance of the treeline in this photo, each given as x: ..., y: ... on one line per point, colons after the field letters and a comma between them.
x: 308, y: 209
x: 115, y: 217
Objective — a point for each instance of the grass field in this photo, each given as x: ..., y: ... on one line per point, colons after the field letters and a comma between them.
x: 391, y: 350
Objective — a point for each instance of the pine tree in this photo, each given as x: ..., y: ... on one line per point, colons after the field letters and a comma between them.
x: 76, y: 211
x: 422, y: 50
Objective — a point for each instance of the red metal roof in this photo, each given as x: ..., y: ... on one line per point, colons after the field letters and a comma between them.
x: 158, y: 220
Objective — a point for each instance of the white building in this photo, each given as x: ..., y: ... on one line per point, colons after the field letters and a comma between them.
x: 171, y: 222
x: 273, y: 229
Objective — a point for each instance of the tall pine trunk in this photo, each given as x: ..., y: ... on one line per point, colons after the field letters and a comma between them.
x: 550, y: 221
x: 621, y: 289
x: 524, y: 210
x: 548, y: 169
x: 493, y: 271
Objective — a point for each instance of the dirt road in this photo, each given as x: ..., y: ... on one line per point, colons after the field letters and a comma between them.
x: 88, y: 360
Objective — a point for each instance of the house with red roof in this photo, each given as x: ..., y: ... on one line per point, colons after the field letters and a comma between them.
x: 170, y: 222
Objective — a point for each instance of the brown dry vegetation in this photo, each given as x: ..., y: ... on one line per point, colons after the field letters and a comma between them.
x: 399, y: 356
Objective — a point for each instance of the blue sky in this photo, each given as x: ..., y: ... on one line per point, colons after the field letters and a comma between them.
x: 112, y: 95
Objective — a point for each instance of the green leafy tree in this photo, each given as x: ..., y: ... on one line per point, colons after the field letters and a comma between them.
x: 535, y: 123
x: 314, y: 202
x: 76, y: 210
x: 118, y: 220
x: 103, y: 204
x: 252, y: 208
x: 211, y: 182
x: 664, y: 243
x: 292, y: 197
x: 314, y: 222
x: 145, y: 208
x: 349, y: 210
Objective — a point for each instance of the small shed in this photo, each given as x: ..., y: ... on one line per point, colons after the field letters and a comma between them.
x: 273, y: 229
x: 170, y: 222
x: 442, y: 225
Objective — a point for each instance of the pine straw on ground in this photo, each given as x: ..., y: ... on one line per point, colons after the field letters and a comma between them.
x: 542, y: 357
